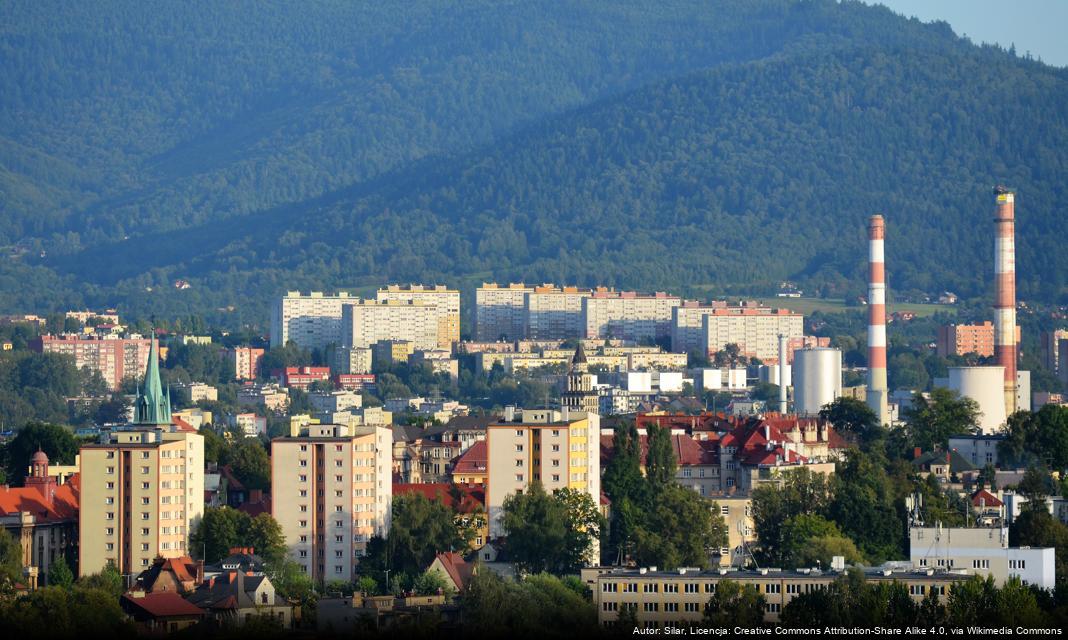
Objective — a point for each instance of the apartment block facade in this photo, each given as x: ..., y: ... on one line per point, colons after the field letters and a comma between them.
x: 114, y: 358
x: 446, y: 302
x: 500, y: 311
x: 332, y: 493
x: 628, y: 315
x: 555, y: 313
x: 559, y: 449
x: 348, y: 360
x: 246, y: 362
x: 755, y: 330
x: 142, y: 494
x: 1050, y: 349
x: 984, y: 551
x: 312, y: 321
x: 368, y: 321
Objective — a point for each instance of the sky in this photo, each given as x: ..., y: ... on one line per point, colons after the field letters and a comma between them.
x: 1038, y: 26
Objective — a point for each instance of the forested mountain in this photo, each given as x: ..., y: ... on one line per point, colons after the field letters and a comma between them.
x: 251, y: 149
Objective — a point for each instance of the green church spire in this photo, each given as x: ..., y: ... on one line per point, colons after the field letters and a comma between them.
x: 152, y: 406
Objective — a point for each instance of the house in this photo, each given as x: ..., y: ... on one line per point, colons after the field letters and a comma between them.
x: 945, y: 465
x: 234, y: 598
x: 174, y: 575
x: 470, y: 467
x: 241, y: 559
x: 43, y: 517
x: 256, y: 504
x: 468, y: 501
x: 452, y: 566
x: 989, y: 509
x: 160, y: 613
x: 345, y: 615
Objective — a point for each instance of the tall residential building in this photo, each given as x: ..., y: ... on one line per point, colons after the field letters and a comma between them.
x: 352, y: 360
x: 755, y: 330
x: 142, y: 490
x: 246, y: 362
x: 115, y: 358
x: 961, y: 339
x: 445, y: 300
x: 559, y: 449
x: 1050, y: 348
x: 580, y: 394
x: 367, y: 321
x: 387, y: 353
x: 627, y: 315
x: 312, y: 321
x: 500, y: 312
x: 555, y: 313
x: 332, y: 493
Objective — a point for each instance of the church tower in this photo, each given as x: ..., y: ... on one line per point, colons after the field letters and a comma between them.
x: 580, y: 394
x: 152, y: 407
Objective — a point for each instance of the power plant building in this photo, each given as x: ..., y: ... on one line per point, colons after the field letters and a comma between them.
x: 817, y: 380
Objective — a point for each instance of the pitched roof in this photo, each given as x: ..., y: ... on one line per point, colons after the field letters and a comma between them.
x: 183, y: 568
x: 232, y: 483
x: 957, y: 462
x: 233, y: 590
x: 580, y: 355
x: 32, y: 499
x: 688, y: 452
x: 163, y: 604
x: 472, y: 498
x: 253, y: 509
x: 472, y: 461
x: 983, y: 497
x: 459, y: 570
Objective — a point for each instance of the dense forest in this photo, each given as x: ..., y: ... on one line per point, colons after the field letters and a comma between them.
x: 250, y: 149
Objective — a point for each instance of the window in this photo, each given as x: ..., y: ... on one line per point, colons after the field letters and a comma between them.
x: 519, y: 433
x: 144, y: 500
x: 671, y: 587
x: 144, y: 455
x: 302, y: 478
x: 774, y: 607
x: 652, y: 606
x: 556, y: 477
x: 144, y: 546
x: 109, y: 500
x: 692, y: 607
x: 110, y: 515
x: 610, y: 606
x: 671, y: 606
x: 519, y: 463
x: 980, y: 564
x: 519, y: 448
x: 144, y: 471
x: 915, y: 589
x: 110, y: 531
x: 691, y: 587
x: 303, y: 463
x: 110, y: 485
x: 303, y: 553
x: 773, y: 588
x: 144, y: 485
x: 144, y: 515
x: 630, y: 587
x: 111, y: 471
x: 144, y: 531
x: 609, y: 587
x: 110, y: 455
x: 304, y: 523
x: 519, y: 477
x: 649, y: 587
x: 556, y: 448
x: 109, y: 546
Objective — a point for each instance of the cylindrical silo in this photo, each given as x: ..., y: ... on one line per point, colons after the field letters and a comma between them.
x: 985, y: 385
x: 817, y: 378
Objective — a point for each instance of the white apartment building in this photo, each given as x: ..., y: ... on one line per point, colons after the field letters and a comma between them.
x: 367, y: 321
x: 194, y: 392
x: 332, y: 492
x: 312, y: 321
x: 559, y: 449
x: 334, y: 401
x: 982, y: 550
x: 555, y: 313
x: 756, y: 331
x: 142, y: 494
x: 500, y: 311
x: 445, y: 301
x: 627, y: 315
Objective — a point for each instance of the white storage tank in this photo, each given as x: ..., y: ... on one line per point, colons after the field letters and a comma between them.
x: 985, y: 385
x: 817, y: 378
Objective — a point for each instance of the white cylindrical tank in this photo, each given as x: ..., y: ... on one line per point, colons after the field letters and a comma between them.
x: 817, y: 374
x: 985, y: 385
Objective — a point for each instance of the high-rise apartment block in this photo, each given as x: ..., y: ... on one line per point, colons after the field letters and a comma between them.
x: 962, y: 339
x: 445, y: 301
x: 352, y: 360
x: 142, y: 490
x: 115, y: 358
x: 500, y: 312
x: 555, y: 313
x: 312, y: 321
x: 559, y: 449
x: 1051, y: 348
x: 755, y: 330
x: 332, y: 493
x: 246, y: 362
x: 368, y: 321
x: 627, y: 315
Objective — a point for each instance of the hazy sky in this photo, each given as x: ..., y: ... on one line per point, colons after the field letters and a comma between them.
x: 1038, y: 26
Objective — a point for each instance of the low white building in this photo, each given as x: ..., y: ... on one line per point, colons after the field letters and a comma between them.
x: 667, y: 381
x: 334, y: 401
x: 980, y: 450
x: 985, y: 551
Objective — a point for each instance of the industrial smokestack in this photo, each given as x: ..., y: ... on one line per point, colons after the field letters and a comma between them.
x: 877, y: 391
x: 1005, y: 292
x: 782, y: 374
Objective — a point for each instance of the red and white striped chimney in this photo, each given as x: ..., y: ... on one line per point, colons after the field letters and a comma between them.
x: 877, y: 391
x: 1005, y: 291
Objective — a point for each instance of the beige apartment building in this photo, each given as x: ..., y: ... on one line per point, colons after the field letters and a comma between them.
x: 386, y: 353
x: 312, y: 321
x: 662, y: 598
x: 367, y: 321
x: 500, y: 311
x: 755, y: 330
x: 142, y: 490
x: 332, y: 493
x: 114, y: 358
x: 555, y: 313
x: 246, y: 362
x: 446, y: 301
x: 559, y: 449
x: 627, y: 315
x: 352, y: 360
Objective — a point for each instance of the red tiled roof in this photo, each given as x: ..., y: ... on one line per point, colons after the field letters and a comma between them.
x: 182, y: 425
x: 473, y: 498
x: 459, y: 570
x: 62, y: 506
x: 254, y: 509
x: 163, y: 604
x: 688, y: 452
x: 232, y: 483
x: 472, y: 461
x: 985, y: 497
